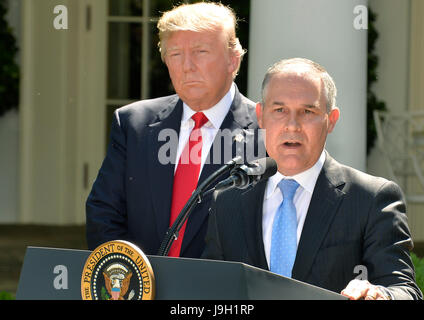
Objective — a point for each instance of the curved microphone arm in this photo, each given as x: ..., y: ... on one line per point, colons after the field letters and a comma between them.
x: 196, y: 197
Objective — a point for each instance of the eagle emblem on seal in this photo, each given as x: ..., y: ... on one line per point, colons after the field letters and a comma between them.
x: 117, y: 281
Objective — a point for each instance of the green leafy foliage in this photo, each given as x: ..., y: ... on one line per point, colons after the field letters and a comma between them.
x: 9, y: 70
x: 419, y: 270
x: 6, y: 296
x: 373, y: 103
x: 104, y: 295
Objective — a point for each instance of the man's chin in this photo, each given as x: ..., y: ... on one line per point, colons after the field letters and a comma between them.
x: 289, y: 165
x: 197, y: 100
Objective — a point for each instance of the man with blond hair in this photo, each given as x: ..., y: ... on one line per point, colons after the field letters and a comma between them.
x: 162, y: 148
x: 315, y: 220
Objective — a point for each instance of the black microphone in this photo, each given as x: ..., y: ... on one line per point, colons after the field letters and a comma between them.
x: 246, y: 175
x: 195, y: 198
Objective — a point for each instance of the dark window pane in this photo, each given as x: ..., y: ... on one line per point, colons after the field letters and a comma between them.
x: 126, y: 7
x: 110, y: 109
x: 124, y: 60
x: 160, y: 83
x: 242, y: 10
x: 158, y: 7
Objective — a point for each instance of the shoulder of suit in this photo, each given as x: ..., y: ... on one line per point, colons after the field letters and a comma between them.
x: 247, y: 101
x: 361, y: 181
x: 155, y: 105
x: 250, y: 105
x: 149, y: 110
x: 246, y: 110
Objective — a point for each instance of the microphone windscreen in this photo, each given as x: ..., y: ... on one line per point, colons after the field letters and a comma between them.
x: 270, y: 168
x: 267, y: 167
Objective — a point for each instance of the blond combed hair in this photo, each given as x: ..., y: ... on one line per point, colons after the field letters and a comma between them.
x: 197, y: 17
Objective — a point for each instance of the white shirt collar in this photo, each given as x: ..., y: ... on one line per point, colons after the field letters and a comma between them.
x: 216, y: 114
x: 306, y: 179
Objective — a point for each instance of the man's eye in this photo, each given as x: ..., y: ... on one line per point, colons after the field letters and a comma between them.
x: 174, y: 54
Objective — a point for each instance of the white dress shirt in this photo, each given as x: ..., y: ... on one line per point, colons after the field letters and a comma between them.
x: 302, y: 198
x: 215, y: 115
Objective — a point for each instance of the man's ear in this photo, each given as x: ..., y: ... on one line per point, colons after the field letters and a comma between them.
x: 333, y: 117
x: 259, y: 111
x: 233, y: 62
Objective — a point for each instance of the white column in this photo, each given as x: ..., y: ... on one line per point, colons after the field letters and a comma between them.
x: 62, y: 109
x: 323, y: 31
x: 416, y: 70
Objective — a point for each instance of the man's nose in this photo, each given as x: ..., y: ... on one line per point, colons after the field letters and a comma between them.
x: 188, y: 63
x: 292, y: 123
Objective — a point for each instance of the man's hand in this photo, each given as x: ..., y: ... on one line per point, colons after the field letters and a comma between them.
x: 362, y: 289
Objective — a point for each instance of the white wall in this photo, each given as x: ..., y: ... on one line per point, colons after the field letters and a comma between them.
x: 321, y: 30
x: 9, y: 163
x: 392, y: 48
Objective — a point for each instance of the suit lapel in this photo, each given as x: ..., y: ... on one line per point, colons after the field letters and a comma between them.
x: 163, y: 173
x: 236, y: 120
x: 252, y: 208
x: 325, y: 201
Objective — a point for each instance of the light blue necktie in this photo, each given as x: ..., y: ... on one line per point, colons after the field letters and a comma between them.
x: 284, y: 231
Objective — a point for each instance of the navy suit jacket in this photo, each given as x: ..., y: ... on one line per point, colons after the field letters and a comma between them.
x: 131, y: 197
x: 355, y: 226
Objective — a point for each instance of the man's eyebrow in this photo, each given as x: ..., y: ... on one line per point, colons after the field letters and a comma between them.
x: 282, y: 104
x: 201, y: 45
x: 194, y: 46
x: 311, y: 106
x: 172, y: 48
x: 279, y: 103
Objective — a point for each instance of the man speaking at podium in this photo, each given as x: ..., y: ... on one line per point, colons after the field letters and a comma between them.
x: 315, y: 220
x: 139, y: 192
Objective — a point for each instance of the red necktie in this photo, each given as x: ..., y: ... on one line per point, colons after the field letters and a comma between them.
x: 186, y: 176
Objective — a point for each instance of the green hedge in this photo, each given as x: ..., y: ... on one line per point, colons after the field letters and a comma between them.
x: 6, y: 296
x: 419, y: 270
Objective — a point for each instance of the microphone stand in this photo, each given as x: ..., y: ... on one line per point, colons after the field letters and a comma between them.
x: 196, y: 197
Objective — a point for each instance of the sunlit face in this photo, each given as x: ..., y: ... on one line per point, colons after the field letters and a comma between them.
x: 201, y: 66
x: 296, y: 121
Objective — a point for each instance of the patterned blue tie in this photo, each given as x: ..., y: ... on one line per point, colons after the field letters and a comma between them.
x: 284, y: 231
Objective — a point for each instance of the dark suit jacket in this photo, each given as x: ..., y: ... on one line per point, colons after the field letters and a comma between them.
x: 131, y: 197
x: 353, y: 220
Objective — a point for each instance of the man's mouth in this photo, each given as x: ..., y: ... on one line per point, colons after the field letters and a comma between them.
x: 191, y: 82
x: 292, y: 144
